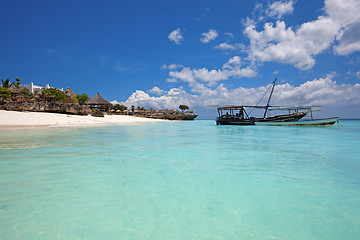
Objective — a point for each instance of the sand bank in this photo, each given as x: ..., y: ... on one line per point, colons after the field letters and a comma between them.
x: 11, y: 119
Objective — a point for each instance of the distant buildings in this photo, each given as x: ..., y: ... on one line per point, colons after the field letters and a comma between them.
x: 96, y: 103
x: 34, y: 88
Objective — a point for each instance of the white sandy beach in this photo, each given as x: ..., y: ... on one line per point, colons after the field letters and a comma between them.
x: 12, y: 119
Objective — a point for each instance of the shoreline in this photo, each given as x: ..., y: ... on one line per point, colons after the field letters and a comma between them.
x: 14, y: 120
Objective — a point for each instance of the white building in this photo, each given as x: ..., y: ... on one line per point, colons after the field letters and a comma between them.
x: 34, y: 88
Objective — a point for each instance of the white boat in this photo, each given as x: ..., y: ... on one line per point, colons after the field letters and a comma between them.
x: 314, y: 122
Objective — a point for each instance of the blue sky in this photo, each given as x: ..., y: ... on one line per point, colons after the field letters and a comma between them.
x: 162, y: 54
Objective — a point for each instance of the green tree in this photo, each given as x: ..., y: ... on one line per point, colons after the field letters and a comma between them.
x: 119, y: 107
x: 82, y: 98
x: 53, y: 94
x: 18, y: 80
x: 5, y: 94
x: 27, y: 94
x: 132, y: 108
x: 74, y: 100
x: 183, y: 107
x: 6, y: 83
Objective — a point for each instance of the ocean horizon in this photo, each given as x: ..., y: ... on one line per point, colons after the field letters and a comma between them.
x: 181, y: 180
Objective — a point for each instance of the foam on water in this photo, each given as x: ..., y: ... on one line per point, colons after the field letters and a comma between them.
x: 181, y: 180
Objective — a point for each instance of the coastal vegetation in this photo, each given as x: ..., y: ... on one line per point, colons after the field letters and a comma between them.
x: 53, y: 95
x: 183, y: 108
x: 5, y: 94
x: 6, y: 83
x: 17, y: 97
x: 82, y: 98
x: 119, y: 107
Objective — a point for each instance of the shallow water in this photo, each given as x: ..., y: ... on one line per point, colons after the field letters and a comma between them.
x: 181, y: 180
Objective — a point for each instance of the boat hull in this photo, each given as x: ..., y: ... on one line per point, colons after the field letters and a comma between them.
x: 234, y: 122
x: 253, y: 121
x: 317, y: 122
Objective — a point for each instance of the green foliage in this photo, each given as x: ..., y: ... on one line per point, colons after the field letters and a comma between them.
x: 18, y: 80
x: 183, y: 107
x: 69, y: 100
x: 151, y: 109
x: 141, y: 108
x: 119, y: 107
x: 27, y: 94
x: 132, y: 108
x: 82, y: 98
x: 6, y: 83
x: 5, y: 94
x: 53, y: 94
x: 74, y: 100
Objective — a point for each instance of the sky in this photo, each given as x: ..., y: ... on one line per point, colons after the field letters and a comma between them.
x: 160, y: 54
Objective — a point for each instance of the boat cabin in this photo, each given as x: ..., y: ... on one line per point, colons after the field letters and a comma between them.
x: 234, y: 112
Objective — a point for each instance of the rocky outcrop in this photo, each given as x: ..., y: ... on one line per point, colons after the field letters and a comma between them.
x: 67, y: 108
x: 181, y: 116
x: 97, y: 114
x: 162, y: 114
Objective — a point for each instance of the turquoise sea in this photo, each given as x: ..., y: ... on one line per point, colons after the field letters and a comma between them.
x: 181, y: 180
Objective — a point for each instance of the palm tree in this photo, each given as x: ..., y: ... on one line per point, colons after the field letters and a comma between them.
x: 6, y: 83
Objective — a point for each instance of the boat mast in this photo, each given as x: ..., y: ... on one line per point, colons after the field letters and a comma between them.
x: 267, y: 105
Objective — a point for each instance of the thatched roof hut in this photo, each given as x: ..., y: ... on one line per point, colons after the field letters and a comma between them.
x: 14, y: 90
x: 23, y: 88
x: 98, y: 102
x: 70, y: 93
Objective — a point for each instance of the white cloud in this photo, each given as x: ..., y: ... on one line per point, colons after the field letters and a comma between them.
x: 209, y: 36
x: 195, y: 77
x: 280, y: 44
x: 172, y: 66
x: 300, y: 46
x: 176, y: 36
x: 229, y: 34
x: 171, y: 80
x: 156, y: 90
x: 346, y: 13
x: 349, y: 40
x: 323, y: 91
x: 115, y: 102
x: 280, y: 8
x: 185, y: 75
x: 225, y: 46
x: 343, y: 11
x: 170, y: 100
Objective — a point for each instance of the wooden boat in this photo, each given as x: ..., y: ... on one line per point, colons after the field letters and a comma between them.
x: 316, y: 122
x: 237, y: 115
